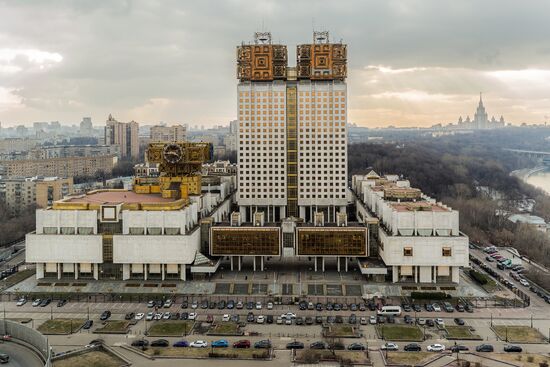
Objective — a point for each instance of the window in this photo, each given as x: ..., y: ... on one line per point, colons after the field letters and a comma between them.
x: 407, y: 251
x: 447, y: 251
x: 67, y: 230
x: 154, y: 230
x: 136, y: 230
x: 85, y: 230
x: 50, y: 230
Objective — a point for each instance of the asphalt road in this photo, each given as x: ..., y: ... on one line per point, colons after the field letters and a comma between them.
x: 20, y: 356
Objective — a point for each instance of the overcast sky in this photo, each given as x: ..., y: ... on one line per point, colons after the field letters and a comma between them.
x: 410, y: 62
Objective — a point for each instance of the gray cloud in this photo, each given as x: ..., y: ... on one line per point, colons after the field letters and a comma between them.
x: 174, y: 60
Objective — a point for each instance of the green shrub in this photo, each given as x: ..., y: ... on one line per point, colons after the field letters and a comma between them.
x: 430, y: 295
x: 478, y: 277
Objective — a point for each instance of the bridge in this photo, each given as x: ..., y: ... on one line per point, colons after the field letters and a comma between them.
x: 543, y: 157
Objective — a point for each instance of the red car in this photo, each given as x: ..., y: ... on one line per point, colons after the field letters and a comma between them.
x: 242, y: 344
x: 210, y: 319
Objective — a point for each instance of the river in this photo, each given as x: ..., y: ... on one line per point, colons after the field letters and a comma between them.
x: 540, y: 179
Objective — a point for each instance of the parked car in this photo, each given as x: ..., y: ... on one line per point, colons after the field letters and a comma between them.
x: 198, y: 344
x: 139, y: 316
x: 299, y: 320
x: 242, y: 344
x: 513, y: 348
x: 4, y: 358
x: 363, y: 321
x: 166, y: 316
x: 226, y: 318
x: 194, y: 305
x: 429, y: 307
x: 167, y: 304
x: 406, y: 307
x: 279, y: 320
x: 485, y: 348
x: 435, y: 348
x: 45, y: 302
x: 129, y: 316
x: 372, y: 320
x: 184, y: 304
x: 21, y: 301
x: 448, y: 307
x: 105, y: 315
x: 151, y: 304
x: 459, y: 348
x: 270, y: 305
x: 440, y: 322
x: 184, y: 316
x: 390, y: 347
x: 221, y: 305
x: 413, y: 347
x: 222, y: 343
x: 295, y: 345
x: 192, y: 316
x: 356, y: 346
x: 181, y: 344
x: 262, y: 344
x: 209, y: 319
x: 230, y: 304
x: 309, y: 320
x: 160, y: 343
x: 150, y: 316
x: 61, y: 302
x: 430, y: 322
x: 317, y: 345
x: 269, y: 319
x: 460, y: 307
x: 88, y: 324
x: 260, y: 319
x: 468, y: 308
x: 250, y: 317
x: 459, y: 321
x: 140, y: 343
x: 158, y: 316
x: 436, y: 307
x: 239, y: 305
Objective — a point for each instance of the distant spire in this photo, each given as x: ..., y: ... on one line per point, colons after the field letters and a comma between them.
x: 480, y: 99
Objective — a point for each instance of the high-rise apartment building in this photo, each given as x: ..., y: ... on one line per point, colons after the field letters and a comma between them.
x: 160, y: 133
x: 292, y: 134
x: 123, y: 134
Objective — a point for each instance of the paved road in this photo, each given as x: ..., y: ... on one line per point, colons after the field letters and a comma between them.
x: 20, y: 356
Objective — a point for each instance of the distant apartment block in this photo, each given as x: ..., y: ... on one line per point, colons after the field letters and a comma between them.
x: 123, y: 134
x: 10, y: 145
x: 62, y: 167
x: 173, y: 133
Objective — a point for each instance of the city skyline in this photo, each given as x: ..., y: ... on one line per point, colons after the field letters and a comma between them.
x: 414, y: 63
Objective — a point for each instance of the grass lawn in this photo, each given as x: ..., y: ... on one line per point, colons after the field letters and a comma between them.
x: 225, y: 328
x: 203, y: 352
x: 519, y: 334
x: 114, y: 327
x: 61, y: 326
x: 395, y: 332
x: 340, y: 331
x: 408, y: 358
x: 460, y: 332
x: 524, y: 359
x: 96, y: 358
x: 313, y: 356
x: 171, y: 328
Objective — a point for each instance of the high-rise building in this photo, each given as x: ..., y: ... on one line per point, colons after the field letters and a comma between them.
x: 123, y: 134
x: 481, y: 120
x: 160, y: 133
x: 292, y: 138
x: 86, y: 127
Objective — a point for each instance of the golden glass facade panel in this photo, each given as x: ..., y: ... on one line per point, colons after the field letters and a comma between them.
x: 245, y: 241
x: 332, y: 241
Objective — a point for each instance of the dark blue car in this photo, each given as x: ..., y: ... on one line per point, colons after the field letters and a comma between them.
x: 181, y: 344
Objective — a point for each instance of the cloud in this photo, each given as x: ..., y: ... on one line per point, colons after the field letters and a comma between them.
x: 424, y: 61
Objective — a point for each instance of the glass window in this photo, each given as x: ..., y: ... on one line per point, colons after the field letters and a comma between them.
x: 407, y: 251
x: 447, y: 251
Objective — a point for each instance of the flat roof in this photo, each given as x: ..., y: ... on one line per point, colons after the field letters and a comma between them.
x: 418, y: 206
x: 117, y: 197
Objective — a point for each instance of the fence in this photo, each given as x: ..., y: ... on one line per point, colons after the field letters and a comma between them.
x: 30, y: 336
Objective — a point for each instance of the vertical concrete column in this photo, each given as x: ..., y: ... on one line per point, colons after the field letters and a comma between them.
x: 145, y: 271
x: 125, y: 271
x: 39, y: 270
x: 435, y: 274
x: 346, y: 260
x: 455, y: 274
x: 395, y: 276
x: 302, y: 212
x: 183, y: 272
x: 337, y: 263
x: 96, y: 271
x: 239, y: 259
x: 282, y: 212
x: 242, y: 210
x: 162, y: 271
x: 323, y: 263
x: 261, y: 263
x: 415, y: 269
x: 254, y: 262
x: 231, y: 259
x: 59, y: 265
x: 315, y: 260
x: 76, y: 271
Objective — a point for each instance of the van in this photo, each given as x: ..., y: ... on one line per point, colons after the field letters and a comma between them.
x: 390, y: 311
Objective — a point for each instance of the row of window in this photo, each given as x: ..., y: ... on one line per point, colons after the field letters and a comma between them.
x: 445, y: 251
x: 68, y: 230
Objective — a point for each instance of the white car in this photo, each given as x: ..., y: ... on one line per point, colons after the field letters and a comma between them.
x: 167, y: 315
x: 168, y: 303
x: 436, y: 348
x: 523, y: 282
x: 239, y: 305
x: 198, y: 344
x: 288, y: 321
x: 436, y: 307
x: 289, y: 315
x: 258, y: 305
x: 21, y: 301
x: 150, y: 316
x: 226, y: 317
x: 372, y: 320
x: 363, y: 321
x: 440, y: 322
x: 192, y: 316
x: 279, y: 320
x: 270, y: 305
x: 139, y: 316
x: 260, y: 319
x: 158, y: 316
x: 390, y: 346
x: 36, y: 302
x: 194, y: 305
x: 151, y: 304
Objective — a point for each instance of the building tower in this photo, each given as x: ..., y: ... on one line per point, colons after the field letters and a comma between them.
x: 123, y: 134
x: 292, y: 134
x: 480, y: 117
